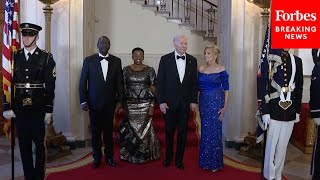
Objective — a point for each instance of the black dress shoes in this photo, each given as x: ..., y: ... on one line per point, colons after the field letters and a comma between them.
x: 95, y: 164
x: 180, y: 166
x: 166, y: 163
x: 111, y: 162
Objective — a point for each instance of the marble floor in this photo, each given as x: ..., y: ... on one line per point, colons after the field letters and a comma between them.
x: 297, y: 164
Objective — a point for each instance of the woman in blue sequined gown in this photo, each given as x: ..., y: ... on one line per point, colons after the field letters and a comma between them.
x: 213, y: 99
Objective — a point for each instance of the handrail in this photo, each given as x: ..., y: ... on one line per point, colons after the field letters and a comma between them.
x: 210, y: 3
x: 201, y: 17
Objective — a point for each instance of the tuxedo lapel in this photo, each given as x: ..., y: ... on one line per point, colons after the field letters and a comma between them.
x: 188, y: 68
x: 110, y: 67
x: 99, y: 68
x: 173, y: 65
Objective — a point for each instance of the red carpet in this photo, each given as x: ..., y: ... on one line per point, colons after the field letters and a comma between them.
x: 81, y: 169
x: 152, y: 170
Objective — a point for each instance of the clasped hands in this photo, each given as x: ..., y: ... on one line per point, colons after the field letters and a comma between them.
x: 164, y: 107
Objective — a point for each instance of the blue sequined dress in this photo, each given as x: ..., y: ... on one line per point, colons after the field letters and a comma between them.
x: 211, y: 100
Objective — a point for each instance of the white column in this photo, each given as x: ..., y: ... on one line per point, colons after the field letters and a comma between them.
x: 60, y: 50
x: 224, y: 42
x: 240, y: 42
x: 79, y: 119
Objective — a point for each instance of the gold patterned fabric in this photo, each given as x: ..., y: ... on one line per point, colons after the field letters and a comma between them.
x: 138, y: 140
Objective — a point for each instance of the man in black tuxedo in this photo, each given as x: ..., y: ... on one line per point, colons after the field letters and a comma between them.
x: 177, y: 86
x: 101, y: 93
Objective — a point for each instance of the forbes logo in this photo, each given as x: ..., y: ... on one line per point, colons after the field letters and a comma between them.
x: 295, y: 16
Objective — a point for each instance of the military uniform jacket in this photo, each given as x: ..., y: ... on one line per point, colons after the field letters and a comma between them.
x: 314, y: 92
x: 38, y: 69
x: 281, y: 71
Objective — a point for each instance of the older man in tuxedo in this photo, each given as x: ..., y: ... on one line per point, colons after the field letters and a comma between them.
x: 177, y: 88
x: 101, y: 93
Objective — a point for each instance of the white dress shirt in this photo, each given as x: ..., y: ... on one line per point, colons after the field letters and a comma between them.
x: 26, y: 52
x: 104, y: 66
x: 181, y: 65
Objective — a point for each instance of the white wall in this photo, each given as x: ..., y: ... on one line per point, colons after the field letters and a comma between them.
x: 305, y: 55
x: 129, y: 26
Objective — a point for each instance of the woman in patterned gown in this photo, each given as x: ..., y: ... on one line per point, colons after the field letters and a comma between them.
x: 138, y: 141
x: 213, y: 100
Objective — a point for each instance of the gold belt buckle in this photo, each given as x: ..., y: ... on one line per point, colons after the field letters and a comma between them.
x: 26, y: 102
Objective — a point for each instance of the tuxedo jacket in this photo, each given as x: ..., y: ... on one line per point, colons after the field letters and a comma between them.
x: 94, y: 90
x: 169, y: 88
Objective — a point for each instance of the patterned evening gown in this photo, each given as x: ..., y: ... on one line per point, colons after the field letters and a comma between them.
x: 138, y: 141
x: 211, y: 100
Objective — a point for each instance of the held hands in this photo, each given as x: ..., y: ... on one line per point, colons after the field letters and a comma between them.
x: 48, y: 118
x: 164, y: 107
x: 8, y: 114
x: 316, y: 121
x: 193, y: 106
x: 266, y: 120
x: 297, y: 118
x: 119, y: 108
x: 151, y: 109
x: 84, y: 106
x: 221, y: 113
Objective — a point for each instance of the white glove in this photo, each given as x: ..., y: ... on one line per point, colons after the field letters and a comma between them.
x: 266, y: 120
x: 48, y: 118
x: 297, y: 118
x: 316, y: 121
x: 8, y: 114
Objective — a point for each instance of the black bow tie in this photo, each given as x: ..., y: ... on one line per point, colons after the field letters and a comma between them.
x: 103, y: 58
x: 181, y: 57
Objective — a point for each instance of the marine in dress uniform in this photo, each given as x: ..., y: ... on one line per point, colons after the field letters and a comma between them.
x: 315, y: 112
x: 34, y: 78
x: 281, y: 109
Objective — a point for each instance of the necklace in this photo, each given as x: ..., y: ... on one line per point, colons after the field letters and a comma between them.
x: 213, y: 67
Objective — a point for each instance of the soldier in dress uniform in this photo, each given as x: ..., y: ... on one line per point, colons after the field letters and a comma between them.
x: 281, y: 109
x: 315, y: 112
x: 34, y: 78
